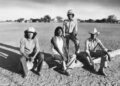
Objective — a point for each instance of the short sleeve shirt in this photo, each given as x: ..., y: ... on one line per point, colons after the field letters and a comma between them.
x: 70, y: 26
x: 29, y: 45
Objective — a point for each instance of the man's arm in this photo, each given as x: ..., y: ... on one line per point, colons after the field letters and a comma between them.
x: 75, y: 30
x: 22, y: 49
x: 88, y: 53
x: 37, y: 48
x: 102, y: 46
x: 104, y: 49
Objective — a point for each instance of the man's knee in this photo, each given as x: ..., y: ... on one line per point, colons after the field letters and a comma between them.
x: 22, y: 59
x: 40, y: 56
x: 105, y: 58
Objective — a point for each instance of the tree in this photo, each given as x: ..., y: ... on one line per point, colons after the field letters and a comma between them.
x: 104, y: 20
x: 90, y: 20
x: 20, y: 20
x: 47, y: 18
x: 112, y: 19
x: 35, y: 20
x: 59, y: 18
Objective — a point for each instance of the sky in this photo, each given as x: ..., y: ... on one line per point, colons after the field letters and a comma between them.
x: 83, y: 9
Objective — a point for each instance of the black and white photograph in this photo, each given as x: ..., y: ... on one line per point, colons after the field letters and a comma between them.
x: 59, y: 42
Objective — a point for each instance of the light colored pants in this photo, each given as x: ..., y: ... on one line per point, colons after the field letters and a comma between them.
x: 38, y: 62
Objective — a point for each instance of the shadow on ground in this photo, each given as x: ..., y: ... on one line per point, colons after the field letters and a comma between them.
x: 9, y: 60
x: 81, y: 57
x: 52, y: 63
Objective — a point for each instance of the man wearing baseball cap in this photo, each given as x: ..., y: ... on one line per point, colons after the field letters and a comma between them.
x: 93, y: 52
x: 70, y: 30
x: 30, y: 50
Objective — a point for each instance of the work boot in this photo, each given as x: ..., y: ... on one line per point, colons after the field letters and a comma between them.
x: 92, y: 68
x: 66, y: 73
x: 101, y: 72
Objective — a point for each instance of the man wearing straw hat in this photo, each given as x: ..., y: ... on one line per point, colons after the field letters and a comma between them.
x: 30, y: 50
x: 93, y: 52
x: 70, y: 30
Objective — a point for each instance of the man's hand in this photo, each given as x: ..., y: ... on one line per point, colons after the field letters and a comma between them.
x: 32, y: 59
x: 109, y: 58
x: 91, y: 62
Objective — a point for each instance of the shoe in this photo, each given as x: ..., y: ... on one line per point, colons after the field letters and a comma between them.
x: 66, y: 73
x: 101, y: 72
x: 32, y: 70
x: 92, y: 68
x: 24, y: 76
x: 36, y: 72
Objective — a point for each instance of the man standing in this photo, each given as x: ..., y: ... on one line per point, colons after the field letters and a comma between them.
x: 93, y: 51
x: 70, y: 31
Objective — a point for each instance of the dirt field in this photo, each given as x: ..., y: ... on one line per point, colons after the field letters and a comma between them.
x: 10, y: 35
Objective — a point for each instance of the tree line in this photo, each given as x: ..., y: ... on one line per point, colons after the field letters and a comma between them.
x: 47, y: 18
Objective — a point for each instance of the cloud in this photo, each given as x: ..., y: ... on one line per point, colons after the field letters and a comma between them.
x: 37, y: 8
x: 110, y: 3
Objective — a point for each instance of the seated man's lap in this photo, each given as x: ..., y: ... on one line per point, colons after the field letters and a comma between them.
x: 98, y: 54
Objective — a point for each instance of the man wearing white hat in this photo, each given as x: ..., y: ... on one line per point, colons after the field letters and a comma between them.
x: 93, y: 52
x: 30, y: 50
x: 70, y: 30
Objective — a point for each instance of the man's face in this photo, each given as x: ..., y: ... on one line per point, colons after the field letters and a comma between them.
x: 30, y: 35
x: 70, y: 16
x: 93, y: 36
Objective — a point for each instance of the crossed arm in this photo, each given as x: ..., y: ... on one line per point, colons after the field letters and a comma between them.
x: 35, y: 50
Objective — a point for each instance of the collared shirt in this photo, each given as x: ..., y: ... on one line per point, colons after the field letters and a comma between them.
x: 70, y: 26
x: 27, y: 46
x: 91, y: 45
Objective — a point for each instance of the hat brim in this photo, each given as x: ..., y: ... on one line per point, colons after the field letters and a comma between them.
x: 94, y: 33
x: 30, y: 31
